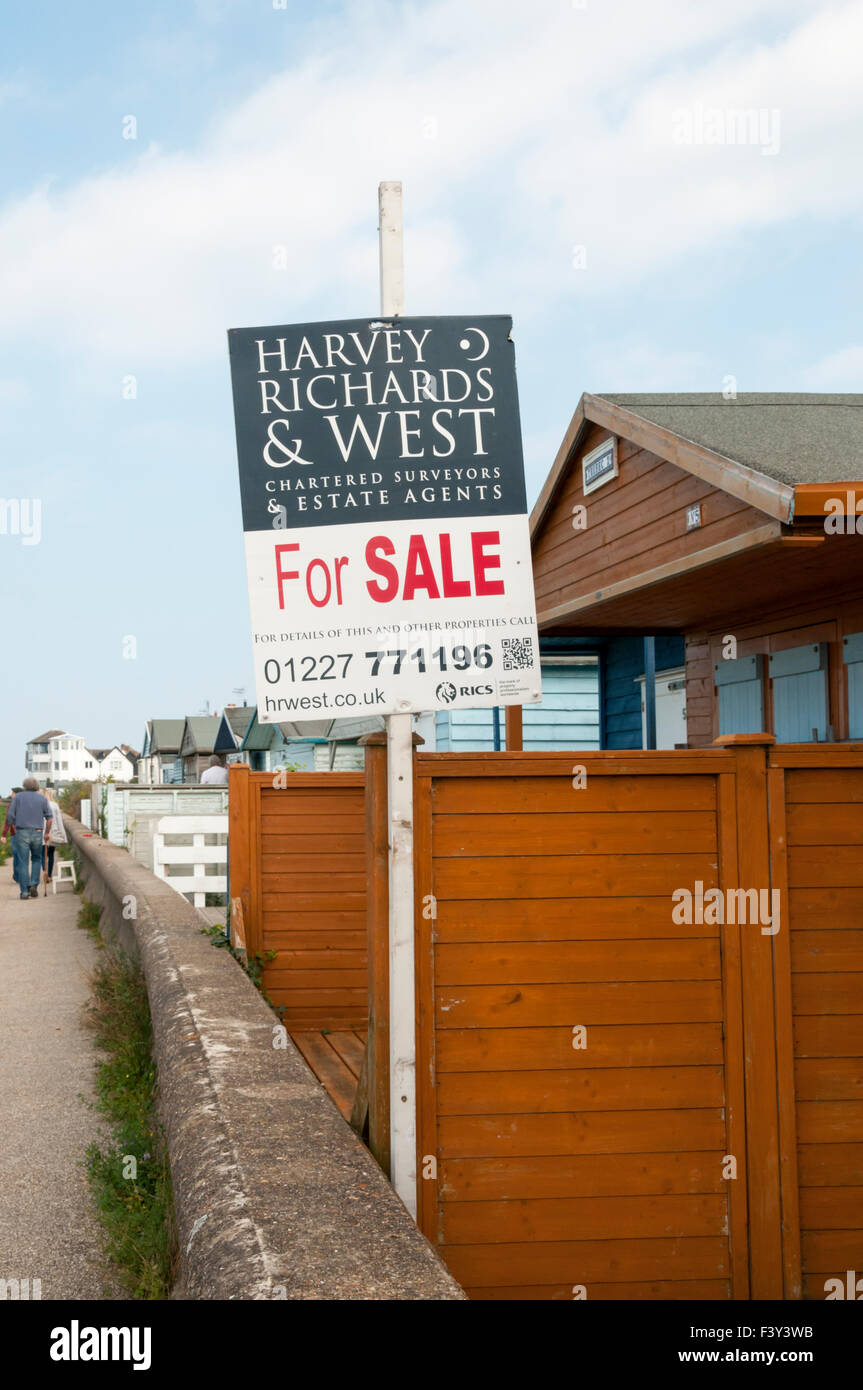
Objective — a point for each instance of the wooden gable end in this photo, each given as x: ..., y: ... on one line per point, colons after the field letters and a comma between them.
x: 635, y: 524
x: 226, y: 740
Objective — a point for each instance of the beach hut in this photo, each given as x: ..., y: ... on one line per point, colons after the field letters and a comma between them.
x: 730, y: 527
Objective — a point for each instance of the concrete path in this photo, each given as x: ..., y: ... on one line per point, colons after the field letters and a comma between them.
x: 47, y: 1060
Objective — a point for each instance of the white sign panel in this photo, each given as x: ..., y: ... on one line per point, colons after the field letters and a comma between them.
x: 599, y: 466
x: 385, y: 518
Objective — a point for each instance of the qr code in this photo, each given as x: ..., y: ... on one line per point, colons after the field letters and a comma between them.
x: 517, y: 653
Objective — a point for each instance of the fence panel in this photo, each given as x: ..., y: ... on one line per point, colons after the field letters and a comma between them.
x: 621, y: 1092
x: 297, y: 865
x: 580, y: 1062
x: 818, y: 801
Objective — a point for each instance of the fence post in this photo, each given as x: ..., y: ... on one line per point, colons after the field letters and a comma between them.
x: 377, y: 927
x: 766, y: 1257
x: 785, y: 1038
x: 240, y: 839
x: 513, y: 726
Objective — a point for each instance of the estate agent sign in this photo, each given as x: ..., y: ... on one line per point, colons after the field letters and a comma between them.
x: 387, y: 546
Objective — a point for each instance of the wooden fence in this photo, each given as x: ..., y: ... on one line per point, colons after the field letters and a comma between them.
x: 297, y: 866
x: 621, y: 1093
x: 614, y: 1101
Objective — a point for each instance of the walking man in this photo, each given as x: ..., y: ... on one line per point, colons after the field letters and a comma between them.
x: 216, y: 773
x: 30, y: 814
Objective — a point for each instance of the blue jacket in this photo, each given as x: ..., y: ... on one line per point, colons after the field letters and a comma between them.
x: 28, y: 811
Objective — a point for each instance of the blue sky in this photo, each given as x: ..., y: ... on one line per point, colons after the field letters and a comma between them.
x: 521, y: 133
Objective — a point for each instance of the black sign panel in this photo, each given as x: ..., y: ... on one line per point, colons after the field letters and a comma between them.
x: 370, y: 420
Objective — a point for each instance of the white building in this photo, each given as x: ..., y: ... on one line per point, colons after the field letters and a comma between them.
x: 57, y: 756
x: 111, y: 762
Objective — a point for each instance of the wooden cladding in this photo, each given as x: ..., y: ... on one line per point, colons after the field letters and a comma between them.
x: 297, y: 863
x: 635, y: 523
x: 710, y: 1048
x: 770, y: 636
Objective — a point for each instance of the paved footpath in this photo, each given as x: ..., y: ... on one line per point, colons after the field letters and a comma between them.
x: 47, y: 1229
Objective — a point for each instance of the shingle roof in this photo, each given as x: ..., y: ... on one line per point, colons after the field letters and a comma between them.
x: 259, y: 736
x: 310, y: 728
x: 349, y: 729
x: 199, y: 734
x: 166, y: 735
x: 239, y: 717
x: 791, y: 437
x: 334, y: 729
x: 43, y: 738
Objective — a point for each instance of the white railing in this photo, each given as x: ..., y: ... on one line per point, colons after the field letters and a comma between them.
x: 192, y: 853
x: 130, y: 814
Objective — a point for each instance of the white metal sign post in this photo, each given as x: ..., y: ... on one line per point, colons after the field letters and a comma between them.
x: 400, y: 800
x: 387, y: 552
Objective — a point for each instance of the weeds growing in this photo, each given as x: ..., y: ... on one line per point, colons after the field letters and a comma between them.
x: 128, y: 1170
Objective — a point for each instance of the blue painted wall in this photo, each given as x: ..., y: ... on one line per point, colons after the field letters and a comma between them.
x: 623, y: 663
x: 566, y: 717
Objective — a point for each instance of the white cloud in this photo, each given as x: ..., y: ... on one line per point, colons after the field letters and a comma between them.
x: 519, y: 131
x: 839, y: 371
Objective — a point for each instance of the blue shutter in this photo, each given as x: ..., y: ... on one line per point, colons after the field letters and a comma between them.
x: 800, y: 705
x: 740, y: 688
x: 852, y: 651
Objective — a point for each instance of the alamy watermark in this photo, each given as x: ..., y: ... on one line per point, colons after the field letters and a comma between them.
x: 21, y: 517
x: 844, y: 515
x: 15, y: 1290
x: 747, y: 906
x: 716, y: 125
x: 851, y: 1287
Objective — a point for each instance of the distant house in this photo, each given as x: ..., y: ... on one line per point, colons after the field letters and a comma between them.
x: 160, y: 755
x: 113, y: 763
x: 57, y: 756
x: 133, y: 756
x: 232, y: 730
x: 198, y: 744
x: 37, y: 758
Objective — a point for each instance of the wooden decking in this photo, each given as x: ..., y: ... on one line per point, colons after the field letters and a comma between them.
x: 336, y: 1058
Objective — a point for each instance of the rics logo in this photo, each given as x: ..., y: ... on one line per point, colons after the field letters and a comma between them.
x: 446, y: 692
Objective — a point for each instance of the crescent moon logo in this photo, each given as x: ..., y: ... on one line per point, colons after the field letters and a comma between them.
x: 464, y: 344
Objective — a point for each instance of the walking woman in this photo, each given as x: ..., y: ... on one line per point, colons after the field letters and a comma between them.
x: 9, y: 829
x: 57, y: 835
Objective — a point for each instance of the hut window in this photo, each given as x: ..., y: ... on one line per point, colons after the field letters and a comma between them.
x: 739, y: 686
x: 852, y: 651
x: 800, y: 708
